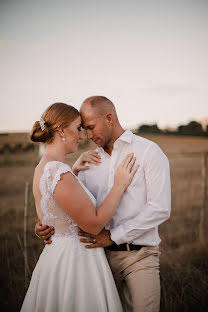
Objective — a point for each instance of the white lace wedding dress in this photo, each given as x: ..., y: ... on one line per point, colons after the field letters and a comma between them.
x: 68, y: 277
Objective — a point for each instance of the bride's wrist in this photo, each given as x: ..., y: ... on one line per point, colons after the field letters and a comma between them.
x: 120, y: 187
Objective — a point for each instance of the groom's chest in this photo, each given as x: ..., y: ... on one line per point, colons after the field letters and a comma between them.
x: 99, y: 179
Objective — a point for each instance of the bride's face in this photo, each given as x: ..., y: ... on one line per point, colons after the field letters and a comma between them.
x: 73, y: 134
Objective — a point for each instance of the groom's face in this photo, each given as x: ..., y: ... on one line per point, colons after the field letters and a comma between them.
x: 96, y: 127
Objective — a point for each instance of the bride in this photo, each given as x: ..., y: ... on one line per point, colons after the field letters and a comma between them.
x: 68, y: 277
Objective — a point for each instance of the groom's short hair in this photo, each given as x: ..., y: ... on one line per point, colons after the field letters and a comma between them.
x: 101, y: 105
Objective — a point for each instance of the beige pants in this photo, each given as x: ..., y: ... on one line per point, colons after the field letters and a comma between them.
x: 136, y: 274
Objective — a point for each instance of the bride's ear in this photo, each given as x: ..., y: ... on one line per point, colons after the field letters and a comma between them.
x: 61, y: 133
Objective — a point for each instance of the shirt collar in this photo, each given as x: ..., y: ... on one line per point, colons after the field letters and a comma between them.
x: 127, y: 137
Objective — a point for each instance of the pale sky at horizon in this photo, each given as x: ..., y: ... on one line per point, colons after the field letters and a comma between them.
x: 149, y: 57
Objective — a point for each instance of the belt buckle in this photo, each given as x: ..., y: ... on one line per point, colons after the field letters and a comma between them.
x: 127, y: 247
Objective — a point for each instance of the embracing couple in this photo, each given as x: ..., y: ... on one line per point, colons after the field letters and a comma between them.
x: 99, y: 219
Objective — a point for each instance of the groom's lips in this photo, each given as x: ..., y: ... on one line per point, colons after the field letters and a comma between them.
x: 95, y: 140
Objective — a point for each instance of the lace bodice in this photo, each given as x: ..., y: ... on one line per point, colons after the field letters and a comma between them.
x: 53, y: 214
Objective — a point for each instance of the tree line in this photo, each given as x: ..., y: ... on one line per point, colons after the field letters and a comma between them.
x: 193, y: 128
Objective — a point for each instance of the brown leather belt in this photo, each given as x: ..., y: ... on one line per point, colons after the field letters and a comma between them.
x: 123, y: 247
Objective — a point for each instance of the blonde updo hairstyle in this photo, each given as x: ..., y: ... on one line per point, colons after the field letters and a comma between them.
x: 58, y: 115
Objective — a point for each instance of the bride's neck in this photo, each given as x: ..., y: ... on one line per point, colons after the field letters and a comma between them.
x: 55, y: 152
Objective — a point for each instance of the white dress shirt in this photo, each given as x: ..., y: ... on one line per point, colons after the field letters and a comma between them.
x: 147, y: 201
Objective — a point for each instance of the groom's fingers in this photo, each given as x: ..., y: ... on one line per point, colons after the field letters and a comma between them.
x: 85, y: 234
x: 94, y: 245
x: 48, y: 241
x: 87, y: 240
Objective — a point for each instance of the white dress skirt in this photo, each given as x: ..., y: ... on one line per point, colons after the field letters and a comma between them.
x: 68, y: 277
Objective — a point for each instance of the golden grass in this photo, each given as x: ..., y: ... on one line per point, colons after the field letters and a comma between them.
x: 184, y: 266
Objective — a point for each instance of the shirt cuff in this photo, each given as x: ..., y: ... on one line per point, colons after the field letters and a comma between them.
x: 118, y: 235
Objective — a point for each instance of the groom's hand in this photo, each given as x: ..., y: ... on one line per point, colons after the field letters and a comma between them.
x: 44, y: 232
x: 100, y: 240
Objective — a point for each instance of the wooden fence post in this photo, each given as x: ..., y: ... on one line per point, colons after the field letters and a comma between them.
x: 25, y: 233
x: 203, y: 238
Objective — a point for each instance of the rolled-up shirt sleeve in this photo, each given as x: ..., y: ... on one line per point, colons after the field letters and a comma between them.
x: 158, y: 194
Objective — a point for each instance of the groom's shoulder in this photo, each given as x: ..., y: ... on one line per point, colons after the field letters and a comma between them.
x: 145, y: 146
x: 141, y: 142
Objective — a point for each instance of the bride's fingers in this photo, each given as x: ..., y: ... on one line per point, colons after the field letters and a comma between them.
x: 92, y: 153
x: 92, y: 159
x: 82, y: 168
x: 127, y: 159
x: 134, y: 170
x: 131, y: 164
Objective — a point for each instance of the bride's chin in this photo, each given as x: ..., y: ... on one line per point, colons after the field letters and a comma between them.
x: 75, y: 149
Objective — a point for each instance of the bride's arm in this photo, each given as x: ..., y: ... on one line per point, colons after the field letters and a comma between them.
x: 78, y: 205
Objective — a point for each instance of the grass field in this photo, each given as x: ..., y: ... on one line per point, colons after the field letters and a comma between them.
x: 184, y: 264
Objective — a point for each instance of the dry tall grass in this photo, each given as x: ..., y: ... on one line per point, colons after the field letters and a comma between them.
x: 184, y: 265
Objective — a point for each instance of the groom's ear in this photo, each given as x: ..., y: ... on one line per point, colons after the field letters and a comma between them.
x: 109, y: 118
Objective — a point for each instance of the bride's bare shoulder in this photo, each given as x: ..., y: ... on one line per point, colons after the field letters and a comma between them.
x: 41, y: 165
x: 39, y: 169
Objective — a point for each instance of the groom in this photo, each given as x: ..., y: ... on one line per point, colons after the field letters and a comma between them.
x: 131, y: 237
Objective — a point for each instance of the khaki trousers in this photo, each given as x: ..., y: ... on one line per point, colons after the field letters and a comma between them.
x: 136, y: 274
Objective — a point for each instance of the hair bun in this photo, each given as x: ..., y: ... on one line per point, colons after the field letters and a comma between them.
x: 56, y: 115
x: 41, y: 132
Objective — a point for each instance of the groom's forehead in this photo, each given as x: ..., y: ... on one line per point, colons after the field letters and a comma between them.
x: 90, y: 121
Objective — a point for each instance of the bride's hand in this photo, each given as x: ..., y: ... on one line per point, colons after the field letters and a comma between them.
x: 125, y: 171
x: 90, y: 156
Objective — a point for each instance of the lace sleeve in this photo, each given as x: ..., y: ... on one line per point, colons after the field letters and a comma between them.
x: 53, y: 172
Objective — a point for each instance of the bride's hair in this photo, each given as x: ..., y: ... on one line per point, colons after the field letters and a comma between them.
x: 57, y: 115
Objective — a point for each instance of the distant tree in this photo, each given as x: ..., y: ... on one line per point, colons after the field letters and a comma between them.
x: 206, y: 131
x: 143, y: 129
x: 149, y: 129
x: 154, y: 129
x: 181, y: 129
x: 192, y: 128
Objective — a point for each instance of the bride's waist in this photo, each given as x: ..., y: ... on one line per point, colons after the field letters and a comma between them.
x: 61, y: 226
x: 69, y: 235
x: 65, y: 239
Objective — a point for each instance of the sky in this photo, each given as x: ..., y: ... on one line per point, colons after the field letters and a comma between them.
x: 149, y: 57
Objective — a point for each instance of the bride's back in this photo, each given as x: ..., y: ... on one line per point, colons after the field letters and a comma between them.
x: 46, y: 177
